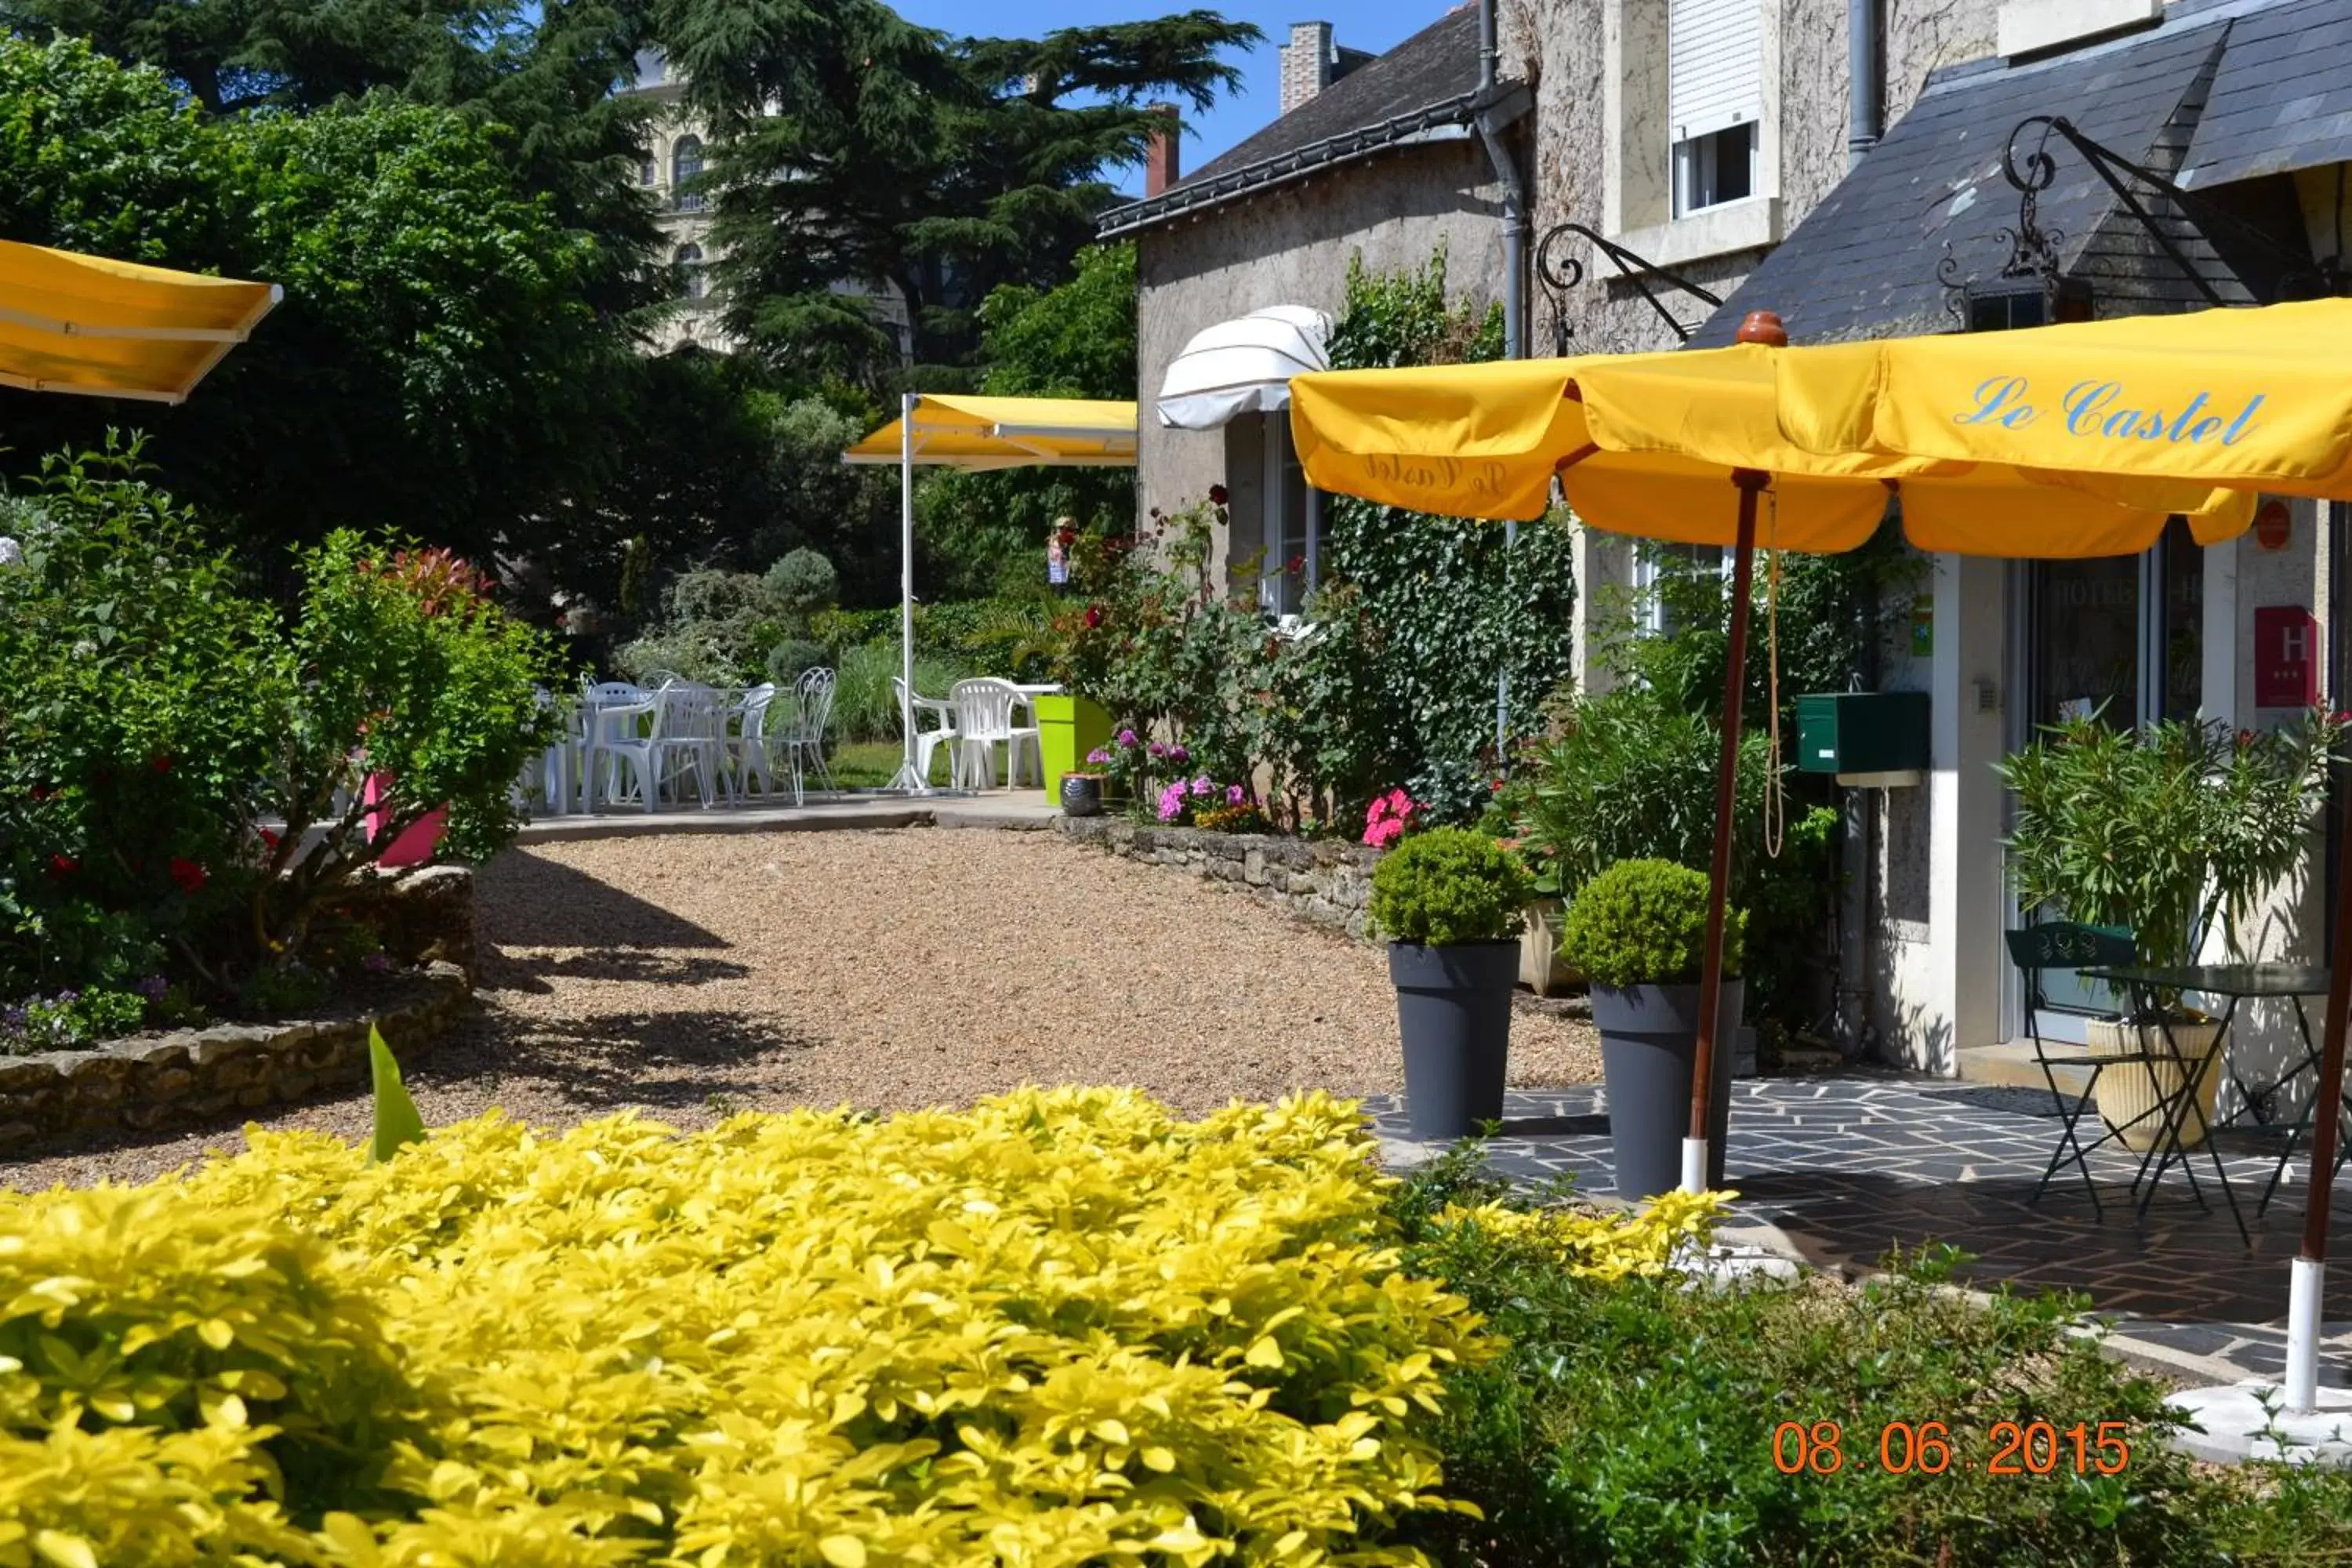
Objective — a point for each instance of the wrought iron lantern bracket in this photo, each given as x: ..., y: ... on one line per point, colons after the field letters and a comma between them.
x: 1560, y: 273
x: 2035, y: 260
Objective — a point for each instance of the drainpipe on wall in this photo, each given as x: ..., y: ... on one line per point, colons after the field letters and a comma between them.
x: 1865, y: 71
x: 1515, y: 267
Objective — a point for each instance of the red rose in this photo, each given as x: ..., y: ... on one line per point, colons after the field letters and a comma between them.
x: 186, y: 875
x: 1216, y: 495
x: 2245, y: 738
x: 63, y: 865
x: 160, y: 763
x: 41, y: 792
x: 1094, y: 617
x: 269, y: 837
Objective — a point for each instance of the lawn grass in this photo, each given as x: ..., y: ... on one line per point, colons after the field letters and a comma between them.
x: 871, y: 765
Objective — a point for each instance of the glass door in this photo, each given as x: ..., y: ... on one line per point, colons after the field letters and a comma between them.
x: 2119, y: 638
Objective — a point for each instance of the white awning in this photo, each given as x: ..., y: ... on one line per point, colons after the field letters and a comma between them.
x: 1242, y: 366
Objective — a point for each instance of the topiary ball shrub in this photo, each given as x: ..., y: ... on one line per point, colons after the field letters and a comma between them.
x: 1447, y: 886
x: 1644, y: 922
x: 787, y: 659
x: 803, y: 583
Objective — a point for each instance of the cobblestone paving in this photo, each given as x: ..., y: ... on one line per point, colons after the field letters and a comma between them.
x: 1846, y: 1168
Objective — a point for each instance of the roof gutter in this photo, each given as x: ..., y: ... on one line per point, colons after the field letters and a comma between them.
x: 1449, y: 120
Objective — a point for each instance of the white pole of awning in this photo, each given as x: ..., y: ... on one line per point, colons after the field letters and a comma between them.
x: 907, y: 778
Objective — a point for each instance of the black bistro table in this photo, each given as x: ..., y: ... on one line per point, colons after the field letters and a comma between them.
x: 2231, y: 984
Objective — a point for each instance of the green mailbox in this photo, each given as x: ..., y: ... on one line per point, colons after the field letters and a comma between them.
x: 1869, y: 733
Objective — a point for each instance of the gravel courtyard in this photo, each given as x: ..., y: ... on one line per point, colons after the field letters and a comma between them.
x: 696, y: 974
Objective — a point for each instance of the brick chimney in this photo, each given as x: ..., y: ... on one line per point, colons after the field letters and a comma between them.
x: 1163, y: 153
x: 1306, y: 63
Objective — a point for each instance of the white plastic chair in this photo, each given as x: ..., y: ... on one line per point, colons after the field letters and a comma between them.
x: 609, y: 710
x: 746, y: 745
x: 812, y: 711
x: 683, y: 739
x: 983, y: 718
x: 911, y: 709
x: 557, y: 773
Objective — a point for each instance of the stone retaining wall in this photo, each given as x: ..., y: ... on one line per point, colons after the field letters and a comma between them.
x: 1323, y: 880
x: 151, y: 1082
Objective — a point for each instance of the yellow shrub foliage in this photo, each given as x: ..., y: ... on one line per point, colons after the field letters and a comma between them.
x: 1609, y: 1245
x: 1063, y: 1327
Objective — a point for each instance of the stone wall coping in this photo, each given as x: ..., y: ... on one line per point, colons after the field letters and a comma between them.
x: 155, y: 1081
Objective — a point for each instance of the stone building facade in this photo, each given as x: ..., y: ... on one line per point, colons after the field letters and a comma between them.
x: 1374, y: 161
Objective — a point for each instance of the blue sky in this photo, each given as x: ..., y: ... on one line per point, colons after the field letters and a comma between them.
x: 1374, y: 25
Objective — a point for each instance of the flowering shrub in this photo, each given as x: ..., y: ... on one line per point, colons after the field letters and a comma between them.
x: 1188, y: 802
x: 1389, y: 818
x: 150, y: 716
x: 1060, y: 1328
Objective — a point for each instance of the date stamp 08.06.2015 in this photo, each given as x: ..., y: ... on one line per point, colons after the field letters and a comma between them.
x: 1931, y: 1449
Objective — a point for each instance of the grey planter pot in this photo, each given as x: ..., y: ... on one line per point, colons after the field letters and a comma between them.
x: 1649, y: 1041
x: 1453, y: 1011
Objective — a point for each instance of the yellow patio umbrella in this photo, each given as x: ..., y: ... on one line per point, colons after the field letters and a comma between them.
x: 2071, y: 440
x: 1659, y: 446
x: 980, y: 434
x: 117, y: 328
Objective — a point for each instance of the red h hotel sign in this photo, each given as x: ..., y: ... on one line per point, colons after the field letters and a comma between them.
x: 2286, y: 657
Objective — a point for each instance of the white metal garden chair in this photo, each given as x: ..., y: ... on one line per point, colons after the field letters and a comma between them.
x: 985, y: 709
x: 911, y: 709
x: 812, y: 711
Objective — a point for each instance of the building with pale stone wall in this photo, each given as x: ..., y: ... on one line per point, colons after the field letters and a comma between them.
x: 676, y: 150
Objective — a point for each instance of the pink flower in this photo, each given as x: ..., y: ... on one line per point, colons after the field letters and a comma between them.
x: 1204, y: 785
x: 1171, y: 802
x: 1235, y: 795
x: 1127, y: 737
x: 1380, y: 835
x: 1379, y: 809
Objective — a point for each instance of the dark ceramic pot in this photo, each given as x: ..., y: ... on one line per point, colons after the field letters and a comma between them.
x: 1082, y: 794
x: 1453, y: 1011
x: 1649, y: 1045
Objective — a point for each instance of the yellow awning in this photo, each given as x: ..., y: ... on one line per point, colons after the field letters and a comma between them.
x: 1648, y: 444
x: 960, y: 432
x: 116, y: 329
x: 2257, y: 399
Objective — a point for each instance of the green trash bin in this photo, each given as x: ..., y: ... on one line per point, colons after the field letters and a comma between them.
x: 1067, y: 729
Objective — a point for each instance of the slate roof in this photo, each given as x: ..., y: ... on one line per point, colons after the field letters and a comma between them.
x: 1864, y: 263
x: 1428, y: 81
x: 2283, y: 100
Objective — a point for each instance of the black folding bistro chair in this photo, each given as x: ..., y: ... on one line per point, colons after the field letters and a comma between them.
x: 2067, y: 945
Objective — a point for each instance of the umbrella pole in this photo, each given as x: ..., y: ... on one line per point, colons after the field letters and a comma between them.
x: 1727, y: 789
x: 907, y: 778
x: 2306, y: 1283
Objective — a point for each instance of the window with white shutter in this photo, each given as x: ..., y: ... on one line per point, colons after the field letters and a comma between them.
x: 1715, y: 99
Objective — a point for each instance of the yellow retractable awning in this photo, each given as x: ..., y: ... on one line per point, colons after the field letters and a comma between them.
x: 1647, y: 444
x: 2255, y: 399
x: 116, y: 329
x: 978, y: 433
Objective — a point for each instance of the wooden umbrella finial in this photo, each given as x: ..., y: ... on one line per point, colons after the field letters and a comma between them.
x: 1763, y: 327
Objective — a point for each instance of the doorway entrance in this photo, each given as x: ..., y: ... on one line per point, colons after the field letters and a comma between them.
x: 2118, y: 638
